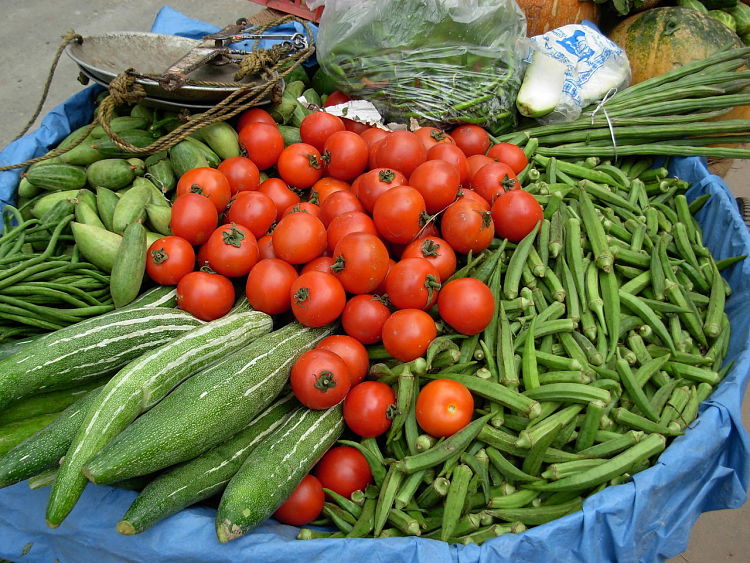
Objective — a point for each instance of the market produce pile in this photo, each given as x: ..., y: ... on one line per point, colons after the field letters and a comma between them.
x: 366, y: 332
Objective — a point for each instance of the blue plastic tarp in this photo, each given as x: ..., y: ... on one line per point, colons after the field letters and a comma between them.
x: 646, y: 519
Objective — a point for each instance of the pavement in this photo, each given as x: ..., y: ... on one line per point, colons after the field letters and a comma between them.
x: 30, y: 31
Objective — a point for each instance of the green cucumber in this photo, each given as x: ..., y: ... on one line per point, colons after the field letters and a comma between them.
x: 45, y: 203
x: 137, y: 165
x: 57, y: 176
x: 221, y: 138
x: 87, y: 215
x: 10, y: 347
x: 131, y: 208
x: 88, y: 350
x: 120, y: 125
x: 694, y: 4
x: 152, y: 237
x: 136, y: 137
x: 741, y: 15
x: 99, y: 246
x: 159, y: 218
x: 106, y: 201
x: 208, y: 408
x: 82, y: 155
x: 87, y: 196
x: 158, y: 296
x: 160, y: 172
x: 26, y: 189
x: 204, y: 476
x: 112, y: 173
x: 156, y: 195
x: 272, y: 472
x: 144, y: 112
x: 141, y: 384
x: 724, y: 17
x: 45, y: 403
x: 16, y: 432
x: 44, y: 449
x: 211, y: 157
x: 185, y: 156
x: 129, y: 266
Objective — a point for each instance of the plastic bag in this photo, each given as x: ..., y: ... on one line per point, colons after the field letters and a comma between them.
x: 440, y: 62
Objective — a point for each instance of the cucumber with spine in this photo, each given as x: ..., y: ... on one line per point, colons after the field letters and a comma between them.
x: 140, y: 385
x: 16, y: 432
x: 206, y: 409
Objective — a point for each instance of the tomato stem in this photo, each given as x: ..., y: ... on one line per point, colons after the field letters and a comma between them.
x: 159, y: 255
x: 432, y: 284
x: 234, y: 236
x: 325, y: 380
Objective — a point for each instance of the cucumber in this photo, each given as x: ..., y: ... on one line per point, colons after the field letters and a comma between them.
x: 16, y: 432
x: 156, y: 196
x: 82, y: 155
x: 160, y: 172
x: 136, y: 137
x: 221, y: 138
x: 211, y: 157
x: 158, y: 296
x: 741, y: 15
x: 131, y: 208
x: 271, y: 473
x: 724, y: 17
x: 10, y: 347
x: 185, y: 156
x: 26, y: 189
x: 159, y: 217
x: 119, y: 125
x: 694, y: 4
x: 45, y: 448
x: 57, y: 176
x: 86, y: 214
x: 206, y: 409
x: 106, y: 201
x: 87, y: 196
x: 144, y: 112
x: 45, y: 203
x: 111, y: 173
x: 152, y: 237
x: 204, y: 476
x: 88, y: 350
x: 43, y: 479
x: 129, y: 266
x: 140, y: 385
x: 45, y: 403
x: 137, y: 165
x: 99, y: 246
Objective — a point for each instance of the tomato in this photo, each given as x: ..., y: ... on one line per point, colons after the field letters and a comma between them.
x: 254, y: 210
x: 467, y: 225
x: 476, y: 162
x: 515, y: 214
x: 241, y: 172
x: 302, y: 207
x: 363, y: 318
x: 318, y: 298
x: 413, y: 283
x: 317, y: 126
x: 350, y: 222
x: 319, y: 264
x: 351, y: 351
x: 335, y: 98
x: 265, y: 247
x: 194, y: 218
x: 268, y: 286
x: 451, y: 154
x: 343, y: 470
x: 431, y: 136
x: 467, y: 304
x: 168, y: 259
x: 509, y: 154
x: 298, y: 238
x: 407, y: 333
x: 337, y: 204
x: 254, y: 115
x: 373, y: 135
x: 471, y: 139
x: 208, y: 182
x: 437, y: 251
x: 369, y: 408
x: 204, y: 295
x: 304, y: 504
x: 355, y: 126
x: 493, y: 180
x: 300, y: 165
x: 262, y: 142
x: 444, y: 407
x: 319, y: 379
x: 326, y: 186
x: 231, y: 250
x: 375, y: 183
x: 280, y: 194
x: 360, y: 262
x: 345, y: 154
x: 402, y: 151
x: 467, y: 194
x: 438, y: 183
x: 399, y: 214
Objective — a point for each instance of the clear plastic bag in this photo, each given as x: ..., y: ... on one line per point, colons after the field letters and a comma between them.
x: 441, y: 62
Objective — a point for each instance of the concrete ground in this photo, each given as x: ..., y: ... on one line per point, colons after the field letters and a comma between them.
x: 30, y: 31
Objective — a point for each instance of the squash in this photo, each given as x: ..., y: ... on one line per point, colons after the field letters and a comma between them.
x: 543, y: 15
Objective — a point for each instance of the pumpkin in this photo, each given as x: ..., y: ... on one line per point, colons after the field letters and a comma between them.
x: 543, y: 15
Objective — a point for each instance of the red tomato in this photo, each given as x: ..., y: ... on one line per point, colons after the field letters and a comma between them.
x: 280, y: 194
x: 208, y: 182
x: 413, y: 283
x: 317, y: 126
x: 304, y: 504
x: 437, y: 251
x: 476, y: 162
x: 254, y: 210
x: 335, y: 98
x: 268, y: 286
x: 326, y: 186
x: 194, y: 218
x: 444, y: 407
x: 438, y: 183
x: 375, y: 183
x: 369, y: 408
x: 168, y: 259
x: 350, y: 222
x: 317, y: 298
x: 241, y: 172
x: 399, y: 214
x: 471, y: 139
x: 467, y: 225
x: 402, y: 151
x: 253, y: 115
x: 493, y: 180
x: 451, y: 154
x: 319, y: 264
x: 319, y: 379
x: 345, y: 154
x: 344, y: 470
x: 302, y: 207
x: 204, y: 295
x: 515, y: 214
x: 373, y: 135
x: 467, y: 304
x: 298, y: 238
x: 360, y: 262
x: 265, y: 247
x: 262, y: 142
x: 467, y: 194
x: 509, y: 154
x: 431, y: 136
x: 355, y: 126
x: 231, y: 250
x: 300, y: 165
x: 363, y: 318
x: 351, y: 351
x: 407, y: 333
x: 337, y: 204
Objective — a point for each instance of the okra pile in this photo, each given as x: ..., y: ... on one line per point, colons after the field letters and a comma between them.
x: 609, y: 332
